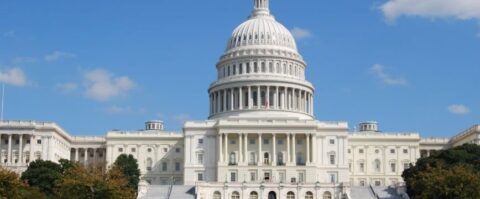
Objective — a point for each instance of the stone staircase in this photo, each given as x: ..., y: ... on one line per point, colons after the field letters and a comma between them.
x: 161, y: 192
x: 386, y: 193
x: 361, y: 193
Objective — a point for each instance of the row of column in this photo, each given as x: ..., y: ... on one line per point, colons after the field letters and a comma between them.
x: 262, y: 67
x: 76, y: 153
x: 261, y: 97
x: 243, y: 152
x: 19, y: 149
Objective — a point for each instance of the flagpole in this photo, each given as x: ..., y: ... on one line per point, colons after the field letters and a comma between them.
x: 3, y: 98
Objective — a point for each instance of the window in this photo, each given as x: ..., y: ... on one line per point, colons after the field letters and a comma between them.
x: 149, y: 164
x: 333, y: 178
x: 299, y: 142
x: 217, y: 195
x: 309, y: 195
x: 350, y: 166
x: 266, y: 141
x: 252, y: 158
x: 280, y: 142
x: 164, y: 166
x: 235, y: 195
x: 199, y: 176
x: 253, y: 176
x: 377, y: 165
x: 252, y: 141
x: 28, y: 141
x: 253, y: 195
x: 200, y: 158
x: 233, y: 177
x: 280, y: 159
x: 165, y: 149
x: 233, y: 142
x: 406, y: 166
x: 177, y: 166
x: 362, y: 183
x: 392, y: 150
x: 377, y: 151
x: 301, y: 177
x: 332, y: 159
x: 266, y: 176
x: 360, y: 150
x: 266, y: 159
x: 393, y: 167
x: 133, y: 150
x: 327, y: 195
x: 405, y: 151
x: 17, y: 142
x: 378, y: 183
x: 120, y: 150
x: 362, y: 167
x: 290, y: 195
x: 177, y: 150
x: 332, y: 141
x: 38, y: 142
x: 200, y: 141
x: 149, y: 150
x: 233, y: 159
x: 349, y: 151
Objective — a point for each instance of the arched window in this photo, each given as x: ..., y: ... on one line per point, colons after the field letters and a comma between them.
x: 327, y: 195
x: 252, y: 158
x: 280, y: 158
x: 377, y: 165
x: 217, y: 195
x: 149, y: 164
x: 290, y: 195
x: 253, y: 195
x: 235, y: 195
x: 309, y: 195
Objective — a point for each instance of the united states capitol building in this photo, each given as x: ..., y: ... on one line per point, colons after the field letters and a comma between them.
x: 261, y: 139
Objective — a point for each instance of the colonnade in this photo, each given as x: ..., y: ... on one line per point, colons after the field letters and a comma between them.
x: 261, y: 97
x: 98, y: 154
x: 9, y: 157
x: 290, y: 141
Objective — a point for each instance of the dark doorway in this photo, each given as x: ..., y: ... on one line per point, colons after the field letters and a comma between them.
x: 272, y: 195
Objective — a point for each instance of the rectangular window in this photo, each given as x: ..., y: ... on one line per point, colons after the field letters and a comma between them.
x: 333, y: 178
x: 350, y: 167
x: 406, y: 166
x: 199, y: 176
x: 280, y: 142
x: 378, y: 183
x: 300, y: 177
x: 332, y: 159
x: 28, y: 141
x: 177, y: 166
x: 200, y: 158
x: 392, y: 150
x: 120, y: 150
x: 266, y: 141
x: 405, y: 151
x: 393, y: 167
x: 349, y: 151
x: 164, y: 166
x: 252, y: 141
x: 38, y: 142
x: 233, y: 177
x: 200, y: 141
x: 332, y: 141
x: 165, y: 150
x: 266, y: 176
x: 282, y: 176
x: 177, y: 150
x: 253, y: 176
x: 362, y: 167
x: 133, y: 150
x: 360, y: 151
x: 362, y: 183
x: 233, y: 142
x: 17, y: 142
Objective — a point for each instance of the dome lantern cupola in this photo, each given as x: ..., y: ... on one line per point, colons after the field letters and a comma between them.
x: 260, y: 8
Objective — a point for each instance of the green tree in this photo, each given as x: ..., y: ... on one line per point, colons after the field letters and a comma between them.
x: 129, y: 167
x: 43, y: 175
x: 452, y: 173
x: 79, y: 182
x: 12, y: 188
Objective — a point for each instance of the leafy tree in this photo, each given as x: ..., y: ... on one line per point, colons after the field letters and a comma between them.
x: 452, y: 173
x: 43, y: 174
x: 12, y: 188
x: 82, y: 183
x: 129, y: 167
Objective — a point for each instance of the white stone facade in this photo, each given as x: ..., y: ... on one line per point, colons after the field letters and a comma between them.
x: 261, y: 139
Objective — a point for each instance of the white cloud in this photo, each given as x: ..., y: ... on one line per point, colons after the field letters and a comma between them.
x: 117, y: 109
x: 22, y: 60
x: 10, y: 33
x: 57, y: 55
x: 13, y: 76
x: 101, y: 85
x: 181, y: 118
x: 459, y: 9
x: 300, y: 33
x: 379, y: 71
x: 458, y: 109
x: 66, y: 87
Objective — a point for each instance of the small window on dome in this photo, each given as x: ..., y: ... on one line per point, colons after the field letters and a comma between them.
x: 264, y: 69
x: 240, y: 69
x: 234, y: 69
x: 248, y: 68
x: 256, y: 36
x: 263, y: 36
x: 239, y: 38
x: 271, y: 67
x: 255, y: 67
x: 249, y: 37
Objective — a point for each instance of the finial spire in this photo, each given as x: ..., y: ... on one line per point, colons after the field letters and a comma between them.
x: 261, y: 7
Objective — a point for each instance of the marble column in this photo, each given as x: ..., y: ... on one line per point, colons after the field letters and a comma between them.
x: 274, y: 146
x: 245, y: 143
x: 231, y: 100
x: 225, y: 155
x: 250, y: 98
x: 240, y: 98
x: 85, y: 157
x: 9, y: 148
x: 308, y: 148
x: 76, y: 154
x: 20, y: 149
x: 294, y: 155
x: 267, y: 97
x: 259, y: 104
x: 259, y: 149
x: 240, y: 149
x: 288, y: 149
x: 30, y: 158
x: 220, y: 148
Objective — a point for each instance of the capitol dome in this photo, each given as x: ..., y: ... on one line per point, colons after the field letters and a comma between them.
x: 261, y: 73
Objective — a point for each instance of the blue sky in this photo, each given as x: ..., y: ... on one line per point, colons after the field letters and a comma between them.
x: 92, y: 66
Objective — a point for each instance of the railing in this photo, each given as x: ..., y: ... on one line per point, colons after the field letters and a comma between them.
x: 374, y: 193
x: 170, y: 188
